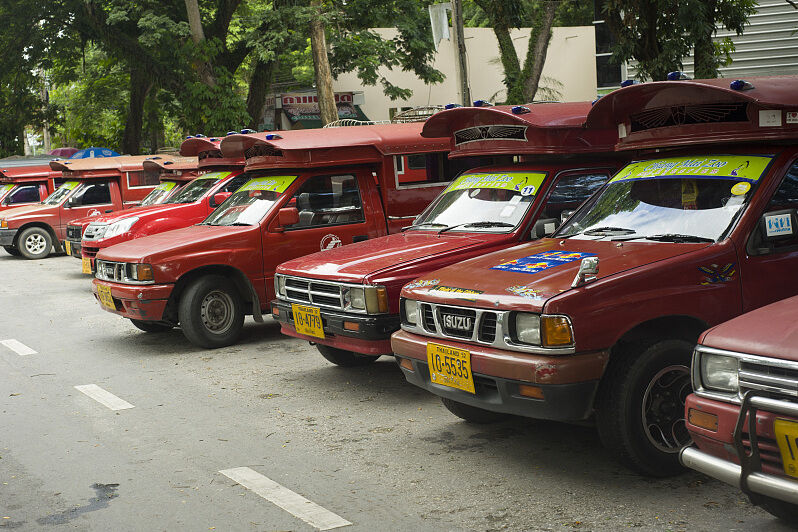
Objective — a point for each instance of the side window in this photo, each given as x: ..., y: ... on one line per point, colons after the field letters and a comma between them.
x: 328, y: 200
x: 94, y: 194
x: 570, y: 192
x: 436, y: 169
x: 143, y: 179
x: 28, y: 194
x: 235, y: 183
x: 785, y: 197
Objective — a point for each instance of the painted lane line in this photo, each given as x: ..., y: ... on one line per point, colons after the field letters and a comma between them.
x: 18, y: 347
x: 103, y: 397
x: 291, y: 502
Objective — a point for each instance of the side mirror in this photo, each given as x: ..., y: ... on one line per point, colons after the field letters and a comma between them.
x: 219, y: 198
x: 71, y: 202
x: 778, y: 224
x: 288, y: 216
x: 544, y: 227
x: 588, y: 270
x: 564, y: 215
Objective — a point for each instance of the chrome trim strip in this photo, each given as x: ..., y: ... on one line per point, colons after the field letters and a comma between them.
x: 310, y: 293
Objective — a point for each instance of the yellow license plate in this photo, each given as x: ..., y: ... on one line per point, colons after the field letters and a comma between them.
x: 85, y: 265
x: 68, y: 247
x: 450, y: 367
x: 787, y: 438
x: 104, y: 293
x: 307, y: 320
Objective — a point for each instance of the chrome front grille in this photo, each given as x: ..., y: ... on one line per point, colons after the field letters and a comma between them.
x: 73, y: 232
x: 320, y: 293
x: 777, y: 381
x: 457, y: 321
x: 487, y: 327
x: 118, y: 272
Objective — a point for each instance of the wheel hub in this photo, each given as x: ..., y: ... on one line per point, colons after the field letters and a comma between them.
x: 35, y: 244
x: 663, y: 408
x: 216, y: 312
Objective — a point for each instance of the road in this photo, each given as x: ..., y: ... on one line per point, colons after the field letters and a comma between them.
x: 360, y: 444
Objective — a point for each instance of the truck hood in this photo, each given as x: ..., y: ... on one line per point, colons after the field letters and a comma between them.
x: 352, y: 263
x: 118, y: 215
x: 770, y: 331
x: 501, y: 278
x: 26, y: 211
x: 161, y: 248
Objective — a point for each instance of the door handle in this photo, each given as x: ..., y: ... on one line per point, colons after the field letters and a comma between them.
x: 110, y: 210
x: 359, y: 238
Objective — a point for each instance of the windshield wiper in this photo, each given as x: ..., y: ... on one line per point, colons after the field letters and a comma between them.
x: 609, y: 231
x: 675, y: 237
x: 477, y: 224
x: 425, y: 224
x: 238, y: 224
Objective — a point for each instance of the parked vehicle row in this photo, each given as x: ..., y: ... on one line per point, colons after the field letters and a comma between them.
x: 552, y: 261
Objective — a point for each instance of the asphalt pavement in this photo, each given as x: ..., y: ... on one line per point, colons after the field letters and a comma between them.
x: 104, y: 427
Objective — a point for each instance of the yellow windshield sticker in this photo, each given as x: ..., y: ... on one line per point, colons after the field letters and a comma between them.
x: 741, y: 188
x: 215, y: 175
x: 69, y: 185
x: 166, y: 185
x: 273, y: 183
x: 526, y: 184
x: 737, y: 167
x: 4, y: 189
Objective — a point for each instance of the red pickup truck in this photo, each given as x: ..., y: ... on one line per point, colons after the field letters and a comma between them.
x: 90, y: 186
x: 308, y: 190
x: 743, y: 415
x: 219, y: 177
x: 601, y: 318
x: 25, y: 182
x: 484, y: 209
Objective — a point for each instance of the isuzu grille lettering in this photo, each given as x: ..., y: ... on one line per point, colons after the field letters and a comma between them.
x: 461, y: 323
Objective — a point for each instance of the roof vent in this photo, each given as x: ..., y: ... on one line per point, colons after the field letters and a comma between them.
x: 262, y: 150
x: 210, y: 154
x: 680, y: 115
x: 497, y: 132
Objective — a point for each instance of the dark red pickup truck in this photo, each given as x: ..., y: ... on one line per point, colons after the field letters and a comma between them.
x: 601, y: 318
x: 483, y: 210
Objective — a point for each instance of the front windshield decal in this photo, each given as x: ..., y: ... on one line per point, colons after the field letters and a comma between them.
x: 275, y: 183
x: 215, y: 175
x: 541, y: 261
x: 527, y: 184
x: 69, y: 185
x: 165, y: 186
x: 4, y: 189
x: 737, y: 167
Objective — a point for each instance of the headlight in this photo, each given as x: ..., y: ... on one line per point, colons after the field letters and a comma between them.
x: 121, y: 226
x: 355, y: 298
x: 94, y: 231
x: 527, y: 328
x: 372, y: 299
x: 719, y: 372
x: 141, y: 272
x: 410, y: 310
x: 279, y: 285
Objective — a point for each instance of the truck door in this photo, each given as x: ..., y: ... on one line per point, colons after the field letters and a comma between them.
x: 93, y: 198
x: 768, y: 268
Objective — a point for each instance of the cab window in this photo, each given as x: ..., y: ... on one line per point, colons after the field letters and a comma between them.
x: 328, y: 200
x: 785, y: 197
x: 27, y: 194
x: 94, y: 194
x: 235, y: 183
x: 570, y: 192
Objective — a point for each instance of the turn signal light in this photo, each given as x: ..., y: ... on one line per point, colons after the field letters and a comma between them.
x: 382, y: 299
x: 351, y: 326
x: 275, y: 312
x: 535, y: 392
x: 703, y: 419
x: 142, y: 272
x: 556, y: 331
x: 405, y: 363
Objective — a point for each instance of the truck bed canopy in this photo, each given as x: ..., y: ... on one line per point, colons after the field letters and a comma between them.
x: 175, y: 168
x: 25, y: 173
x: 532, y: 129
x: 102, y: 166
x: 208, y: 152
x: 702, y: 111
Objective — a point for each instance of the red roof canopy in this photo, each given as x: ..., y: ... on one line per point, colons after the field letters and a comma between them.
x: 208, y: 151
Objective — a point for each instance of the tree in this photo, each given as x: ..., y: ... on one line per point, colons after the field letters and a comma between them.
x: 709, y: 14
x: 321, y: 66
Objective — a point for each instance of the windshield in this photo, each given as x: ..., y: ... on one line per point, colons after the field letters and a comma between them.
x: 4, y: 189
x: 197, y: 188
x: 678, y: 199
x: 159, y: 193
x: 61, y: 193
x: 250, y: 203
x: 488, y: 202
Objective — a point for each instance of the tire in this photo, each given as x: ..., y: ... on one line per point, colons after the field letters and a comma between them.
x: 210, y: 312
x: 472, y: 414
x: 783, y: 510
x: 11, y: 250
x: 34, y: 243
x: 345, y: 359
x: 640, y: 407
x: 151, y: 326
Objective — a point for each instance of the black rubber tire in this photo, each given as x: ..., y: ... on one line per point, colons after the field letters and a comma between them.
x: 213, y: 297
x: 11, y: 250
x: 472, y: 414
x: 783, y: 510
x: 345, y: 359
x: 34, y: 243
x: 151, y: 326
x: 619, y: 406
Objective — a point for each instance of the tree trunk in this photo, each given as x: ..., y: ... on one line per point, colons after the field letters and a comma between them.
x: 705, y: 65
x: 321, y: 67
x: 258, y: 87
x: 511, y: 65
x: 155, y: 127
x: 140, y: 85
x: 538, y: 48
x: 204, y: 69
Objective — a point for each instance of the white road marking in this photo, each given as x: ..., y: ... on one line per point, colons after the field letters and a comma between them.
x: 103, y: 397
x: 18, y: 347
x: 291, y: 502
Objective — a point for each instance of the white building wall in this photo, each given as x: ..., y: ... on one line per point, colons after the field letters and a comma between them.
x: 570, y: 61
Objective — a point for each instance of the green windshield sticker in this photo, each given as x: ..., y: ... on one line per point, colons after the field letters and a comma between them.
x: 527, y: 184
x: 69, y: 185
x: 215, y: 175
x: 4, y: 189
x: 166, y: 185
x: 274, y: 183
x: 736, y: 167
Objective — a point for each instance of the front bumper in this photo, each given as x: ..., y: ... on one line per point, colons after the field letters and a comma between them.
x: 729, y: 454
x: 7, y: 236
x: 373, y: 336
x: 145, y: 302
x: 74, y: 248
x: 569, y: 383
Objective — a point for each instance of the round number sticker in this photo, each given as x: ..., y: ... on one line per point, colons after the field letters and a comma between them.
x: 528, y: 191
x: 740, y: 188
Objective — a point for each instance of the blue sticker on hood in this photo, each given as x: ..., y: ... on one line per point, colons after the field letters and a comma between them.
x: 541, y: 261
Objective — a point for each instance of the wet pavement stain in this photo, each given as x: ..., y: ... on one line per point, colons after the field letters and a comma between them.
x: 104, y: 493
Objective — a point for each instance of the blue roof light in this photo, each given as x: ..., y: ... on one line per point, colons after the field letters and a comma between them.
x: 189, y: 137
x: 231, y: 133
x: 451, y: 105
x: 482, y: 103
x: 520, y: 110
x: 272, y: 136
x: 677, y: 75
x: 200, y: 136
x: 740, y: 85
x: 247, y: 131
x: 627, y: 82
x: 594, y: 101
x: 214, y: 140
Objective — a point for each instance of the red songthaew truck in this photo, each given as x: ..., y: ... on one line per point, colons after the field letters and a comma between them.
x: 26, y: 182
